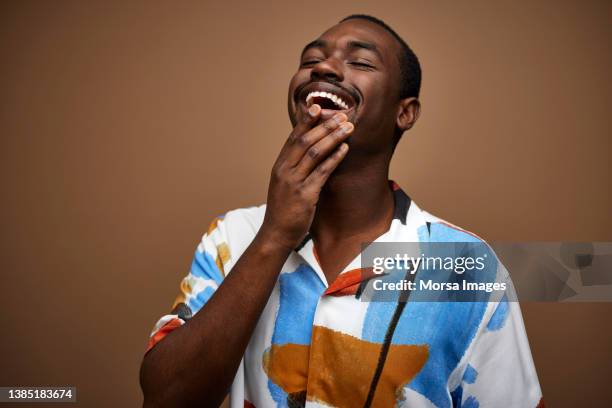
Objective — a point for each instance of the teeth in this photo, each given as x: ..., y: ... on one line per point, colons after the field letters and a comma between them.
x: 334, y: 98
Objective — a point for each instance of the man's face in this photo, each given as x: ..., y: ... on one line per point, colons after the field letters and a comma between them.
x: 353, y: 67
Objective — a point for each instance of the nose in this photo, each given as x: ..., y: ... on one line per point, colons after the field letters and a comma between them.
x: 328, y: 69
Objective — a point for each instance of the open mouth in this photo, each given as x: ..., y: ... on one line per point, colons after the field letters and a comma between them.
x: 326, y: 100
x: 328, y: 96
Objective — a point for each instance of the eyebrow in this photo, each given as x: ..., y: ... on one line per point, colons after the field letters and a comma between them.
x: 365, y: 46
x: 351, y: 45
x: 314, y: 44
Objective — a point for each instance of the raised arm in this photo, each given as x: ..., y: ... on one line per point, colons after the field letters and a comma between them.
x: 195, y: 364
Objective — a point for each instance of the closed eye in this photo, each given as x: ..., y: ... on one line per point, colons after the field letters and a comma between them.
x: 309, y: 63
x: 363, y: 65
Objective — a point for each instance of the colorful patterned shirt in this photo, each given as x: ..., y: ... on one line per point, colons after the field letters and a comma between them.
x: 318, y: 345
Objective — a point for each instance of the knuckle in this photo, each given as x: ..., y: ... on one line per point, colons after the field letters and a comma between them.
x: 293, y: 137
x: 277, y: 172
x: 301, y: 191
x: 287, y: 178
x: 302, y: 140
x: 307, y: 196
x: 313, y: 152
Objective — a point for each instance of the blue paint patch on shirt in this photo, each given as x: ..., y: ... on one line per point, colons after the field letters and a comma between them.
x: 196, y: 302
x: 470, y: 374
x: 204, y: 266
x: 498, y: 320
x: 470, y: 402
x: 448, y: 328
x: 300, y: 291
x: 277, y: 394
x: 439, y: 232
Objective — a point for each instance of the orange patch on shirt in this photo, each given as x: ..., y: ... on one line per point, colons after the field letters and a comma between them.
x: 223, y: 255
x: 185, y: 290
x: 341, y: 368
x: 287, y: 366
x: 212, y: 225
x: 344, y: 367
x: 348, y: 282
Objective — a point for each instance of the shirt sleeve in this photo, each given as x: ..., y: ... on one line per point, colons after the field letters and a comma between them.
x: 206, y: 274
x: 500, y: 369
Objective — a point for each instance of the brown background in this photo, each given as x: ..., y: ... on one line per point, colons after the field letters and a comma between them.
x: 126, y: 127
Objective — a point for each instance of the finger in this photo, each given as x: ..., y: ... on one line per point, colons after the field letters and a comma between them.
x: 308, y: 120
x: 320, y: 150
x: 300, y: 143
x: 315, y: 181
x: 305, y: 123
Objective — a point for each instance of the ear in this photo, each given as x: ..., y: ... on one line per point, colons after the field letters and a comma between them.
x: 408, y: 112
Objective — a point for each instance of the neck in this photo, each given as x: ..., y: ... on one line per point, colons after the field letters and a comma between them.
x: 356, y: 201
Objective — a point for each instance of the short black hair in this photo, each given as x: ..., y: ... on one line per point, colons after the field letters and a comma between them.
x: 410, y: 68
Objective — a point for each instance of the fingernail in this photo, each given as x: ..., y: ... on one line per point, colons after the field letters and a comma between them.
x: 314, y: 109
x: 340, y: 117
x: 346, y: 127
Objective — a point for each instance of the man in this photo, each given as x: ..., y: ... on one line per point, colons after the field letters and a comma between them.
x: 270, y: 311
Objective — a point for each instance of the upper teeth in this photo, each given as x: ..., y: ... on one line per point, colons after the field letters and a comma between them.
x: 334, y: 98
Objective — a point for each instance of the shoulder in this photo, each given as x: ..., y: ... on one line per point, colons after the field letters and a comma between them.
x: 243, y: 219
x: 445, y: 231
x: 440, y: 230
x: 428, y: 227
x: 229, y: 234
x: 237, y: 223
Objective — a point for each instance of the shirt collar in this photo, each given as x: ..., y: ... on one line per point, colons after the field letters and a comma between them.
x: 405, y: 211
